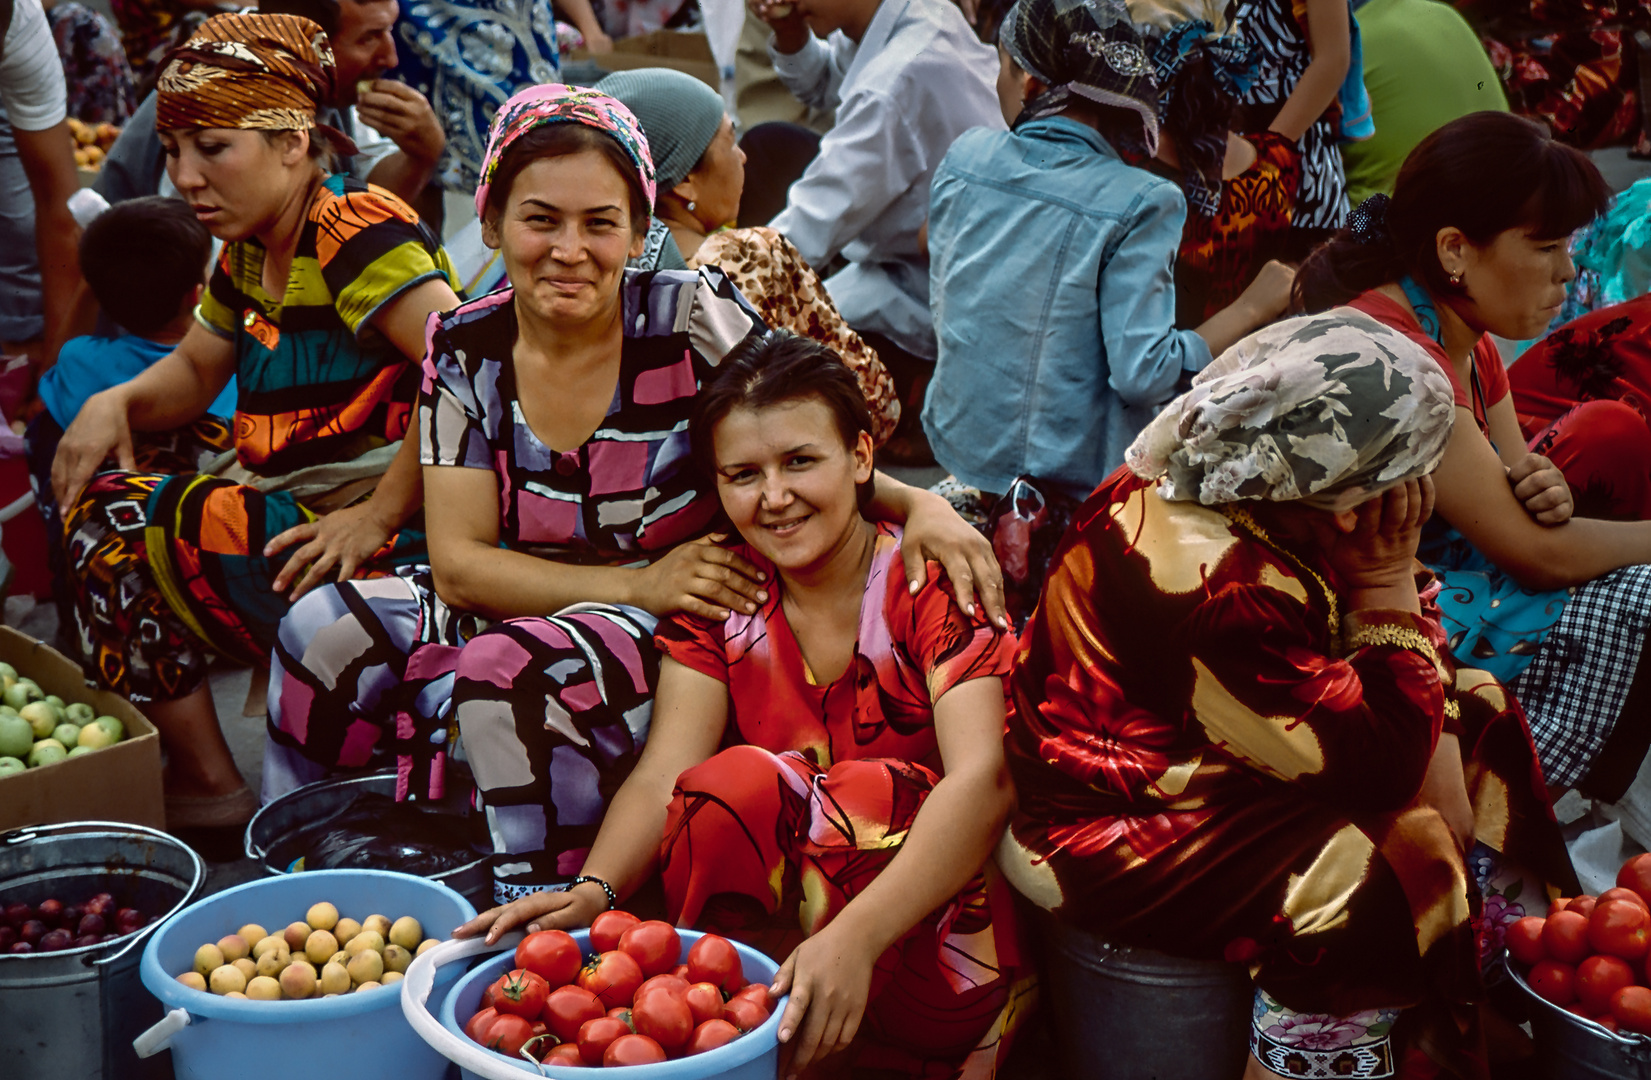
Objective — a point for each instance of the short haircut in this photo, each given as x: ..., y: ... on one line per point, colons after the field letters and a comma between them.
x: 777, y: 368
x: 560, y: 140
x: 143, y: 259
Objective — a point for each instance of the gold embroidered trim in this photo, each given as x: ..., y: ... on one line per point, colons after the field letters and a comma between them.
x: 1241, y: 516
x: 1404, y: 637
x: 1453, y: 709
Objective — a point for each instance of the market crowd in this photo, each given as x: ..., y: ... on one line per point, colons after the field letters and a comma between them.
x: 1263, y: 611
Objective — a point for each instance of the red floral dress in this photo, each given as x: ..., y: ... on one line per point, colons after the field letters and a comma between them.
x: 813, y: 797
x: 1215, y: 760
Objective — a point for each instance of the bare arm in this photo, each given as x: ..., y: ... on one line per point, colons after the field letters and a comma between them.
x: 690, y: 712
x: 582, y: 15
x: 48, y: 162
x: 1330, y: 38
x: 829, y: 975
x: 1265, y: 299
x: 1475, y: 497
x: 933, y: 531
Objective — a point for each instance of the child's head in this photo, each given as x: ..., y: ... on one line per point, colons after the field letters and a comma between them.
x: 145, y: 261
x: 785, y: 431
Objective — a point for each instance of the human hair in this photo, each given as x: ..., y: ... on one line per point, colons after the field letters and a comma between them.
x: 143, y: 259
x: 1484, y: 174
x: 560, y: 140
x: 320, y: 150
x: 775, y: 368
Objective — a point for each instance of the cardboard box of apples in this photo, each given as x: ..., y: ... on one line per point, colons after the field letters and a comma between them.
x: 1592, y: 955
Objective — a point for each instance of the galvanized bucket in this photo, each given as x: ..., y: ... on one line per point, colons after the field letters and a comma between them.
x: 72, y: 1015
x: 302, y: 807
x: 1123, y: 1013
x: 1571, y: 1048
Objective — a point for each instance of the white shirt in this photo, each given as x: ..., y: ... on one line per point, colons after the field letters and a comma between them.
x: 916, y: 81
x: 33, y: 96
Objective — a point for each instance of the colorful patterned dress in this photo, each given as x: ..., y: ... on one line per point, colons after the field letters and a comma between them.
x: 553, y: 709
x: 812, y: 798
x: 1221, y: 255
x: 1216, y: 760
x: 168, y: 569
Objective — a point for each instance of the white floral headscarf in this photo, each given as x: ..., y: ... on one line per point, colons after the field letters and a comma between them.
x: 1327, y: 409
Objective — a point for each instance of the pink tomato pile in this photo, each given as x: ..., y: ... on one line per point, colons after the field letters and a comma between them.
x: 635, y: 1000
x: 1592, y: 954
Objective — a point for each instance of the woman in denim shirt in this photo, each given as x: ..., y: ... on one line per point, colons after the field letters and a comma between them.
x: 1053, y: 261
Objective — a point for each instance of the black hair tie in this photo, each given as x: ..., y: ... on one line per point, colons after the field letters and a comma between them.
x: 1368, y: 223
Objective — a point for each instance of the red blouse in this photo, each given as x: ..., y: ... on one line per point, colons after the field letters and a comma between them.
x: 1493, y: 375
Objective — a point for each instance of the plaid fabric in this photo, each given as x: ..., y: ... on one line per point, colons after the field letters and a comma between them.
x: 1574, y: 690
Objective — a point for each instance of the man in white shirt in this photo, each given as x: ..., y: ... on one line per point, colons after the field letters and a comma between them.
x: 906, y: 78
x: 39, y: 269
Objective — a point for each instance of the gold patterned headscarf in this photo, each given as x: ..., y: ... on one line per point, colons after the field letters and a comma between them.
x: 253, y: 72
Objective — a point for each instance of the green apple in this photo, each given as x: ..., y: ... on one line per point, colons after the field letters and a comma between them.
x: 7, y: 671
x: 79, y: 713
x: 104, y: 731
x: 67, y: 734
x: 16, y: 736
x: 42, y: 717
x: 9, y: 765
x: 47, y: 752
x: 55, y: 702
x: 21, y: 692
x: 81, y: 751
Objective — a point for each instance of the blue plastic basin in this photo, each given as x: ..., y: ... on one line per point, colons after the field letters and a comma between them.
x: 753, y: 1056
x: 354, y: 1034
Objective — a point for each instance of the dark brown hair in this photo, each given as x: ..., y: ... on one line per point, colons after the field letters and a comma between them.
x: 560, y: 140
x: 775, y: 368
x: 1484, y: 174
x: 142, y: 259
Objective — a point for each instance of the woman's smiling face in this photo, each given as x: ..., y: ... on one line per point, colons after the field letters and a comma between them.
x: 787, y: 480
x: 565, y: 234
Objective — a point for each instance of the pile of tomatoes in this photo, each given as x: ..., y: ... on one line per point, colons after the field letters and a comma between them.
x: 1592, y: 955
x: 634, y: 1001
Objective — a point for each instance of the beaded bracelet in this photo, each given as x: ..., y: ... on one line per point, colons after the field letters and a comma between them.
x: 613, y: 899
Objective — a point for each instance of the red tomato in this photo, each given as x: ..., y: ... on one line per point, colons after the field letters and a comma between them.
x: 522, y: 993
x: 1524, y: 940
x: 665, y: 1018
x: 758, y: 992
x: 1558, y: 905
x: 613, y: 977
x: 596, y: 1035
x: 552, y: 955
x: 1632, y: 1008
x: 1608, y: 1022
x: 622, y: 1012
x: 654, y: 945
x: 710, y: 1035
x: 490, y: 996
x: 1636, y: 875
x: 744, y: 1013
x: 663, y: 982
x: 478, y: 1025
x: 705, y: 1002
x: 633, y: 1050
x: 606, y: 928
x: 1620, y: 893
x: 1598, y: 979
x: 506, y: 1034
x: 1565, y: 937
x: 712, y: 959
x: 1554, y: 981
x: 566, y: 1055
x: 1620, y: 928
x: 567, y: 1008
x: 681, y: 971
x: 1582, y: 905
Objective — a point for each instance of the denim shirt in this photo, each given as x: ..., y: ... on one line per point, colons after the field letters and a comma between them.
x: 1053, y: 291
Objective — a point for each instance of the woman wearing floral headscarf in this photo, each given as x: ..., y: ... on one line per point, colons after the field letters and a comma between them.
x: 317, y: 307
x: 566, y: 516
x: 1237, y: 733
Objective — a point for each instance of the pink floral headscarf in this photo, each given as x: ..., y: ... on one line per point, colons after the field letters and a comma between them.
x: 554, y: 103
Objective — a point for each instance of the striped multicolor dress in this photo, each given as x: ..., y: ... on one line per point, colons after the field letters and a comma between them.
x: 168, y: 568
x: 553, y: 709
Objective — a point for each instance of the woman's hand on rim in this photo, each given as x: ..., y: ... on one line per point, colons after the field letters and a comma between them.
x: 565, y: 909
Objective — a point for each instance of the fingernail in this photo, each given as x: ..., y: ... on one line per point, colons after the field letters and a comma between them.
x: 785, y: 1034
x: 762, y: 595
x: 970, y: 608
x: 913, y: 588
x: 762, y: 575
x: 750, y: 607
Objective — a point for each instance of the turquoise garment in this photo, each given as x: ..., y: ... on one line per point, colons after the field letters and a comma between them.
x: 1357, y: 119
x: 1491, y: 621
x: 88, y: 365
x: 1613, y: 256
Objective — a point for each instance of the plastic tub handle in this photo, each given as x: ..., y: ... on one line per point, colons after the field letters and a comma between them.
x: 416, y: 985
x: 159, y: 1037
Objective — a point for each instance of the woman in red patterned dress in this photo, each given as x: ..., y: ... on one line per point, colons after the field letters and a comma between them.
x: 828, y: 769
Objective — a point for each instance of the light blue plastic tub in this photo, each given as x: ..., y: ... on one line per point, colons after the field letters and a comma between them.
x: 359, y: 1034
x: 753, y: 1056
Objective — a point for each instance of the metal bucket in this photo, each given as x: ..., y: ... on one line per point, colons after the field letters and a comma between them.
x: 72, y: 1015
x: 302, y: 807
x: 1571, y: 1048
x: 1123, y: 1013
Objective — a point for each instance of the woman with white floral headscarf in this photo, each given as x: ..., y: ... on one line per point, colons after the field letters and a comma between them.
x: 1237, y: 733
